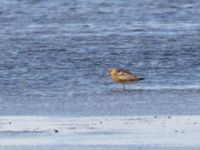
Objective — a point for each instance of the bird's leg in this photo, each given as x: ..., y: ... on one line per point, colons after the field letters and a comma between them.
x: 124, y: 86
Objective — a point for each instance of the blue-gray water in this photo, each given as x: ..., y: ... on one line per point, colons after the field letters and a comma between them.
x: 53, y: 54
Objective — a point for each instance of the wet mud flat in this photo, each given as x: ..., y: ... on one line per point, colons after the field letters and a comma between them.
x: 105, y: 132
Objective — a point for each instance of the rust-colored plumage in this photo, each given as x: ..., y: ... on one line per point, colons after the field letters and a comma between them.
x: 123, y: 76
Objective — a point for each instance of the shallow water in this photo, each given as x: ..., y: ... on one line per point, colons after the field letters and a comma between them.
x: 54, y: 53
x: 118, y: 102
x: 65, y: 46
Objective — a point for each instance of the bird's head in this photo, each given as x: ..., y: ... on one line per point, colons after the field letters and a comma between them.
x: 112, y: 71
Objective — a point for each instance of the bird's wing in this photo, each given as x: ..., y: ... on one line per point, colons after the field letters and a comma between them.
x: 126, y: 75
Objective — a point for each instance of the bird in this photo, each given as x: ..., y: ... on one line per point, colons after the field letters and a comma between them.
x: 123, y: 76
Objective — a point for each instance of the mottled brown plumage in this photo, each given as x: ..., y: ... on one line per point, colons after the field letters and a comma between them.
x: 123, y: 76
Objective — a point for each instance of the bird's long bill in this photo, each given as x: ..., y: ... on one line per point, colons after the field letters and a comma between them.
x: 108, y: 73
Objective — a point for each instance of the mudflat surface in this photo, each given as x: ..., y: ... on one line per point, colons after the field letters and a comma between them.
x: 152, y: 131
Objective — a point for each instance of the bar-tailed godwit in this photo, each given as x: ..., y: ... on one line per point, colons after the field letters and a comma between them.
x: 123, y: 76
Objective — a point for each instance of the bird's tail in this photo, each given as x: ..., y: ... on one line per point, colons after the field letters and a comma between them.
x: 140, y: 78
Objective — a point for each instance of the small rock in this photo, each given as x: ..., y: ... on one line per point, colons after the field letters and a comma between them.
x: 56, y: 131
x: 169, y: 117
x: 176, y: 131
x: 195, y: 123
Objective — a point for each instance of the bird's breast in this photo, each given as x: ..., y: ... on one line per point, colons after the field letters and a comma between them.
x: 116, y: 79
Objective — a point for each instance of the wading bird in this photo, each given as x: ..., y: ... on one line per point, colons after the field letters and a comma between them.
x: 123, y: 76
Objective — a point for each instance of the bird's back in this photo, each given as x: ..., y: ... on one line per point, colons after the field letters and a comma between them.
x: 125, y: 76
